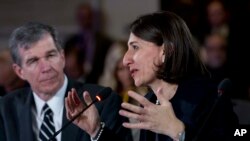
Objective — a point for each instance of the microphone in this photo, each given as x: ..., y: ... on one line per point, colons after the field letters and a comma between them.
x: 223, y: 87
x: 101, y: 95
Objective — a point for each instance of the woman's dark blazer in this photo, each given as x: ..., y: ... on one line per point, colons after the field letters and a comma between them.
x: 193, y: 102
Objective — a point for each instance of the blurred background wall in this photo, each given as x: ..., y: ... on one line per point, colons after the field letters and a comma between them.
x: 61, y: 14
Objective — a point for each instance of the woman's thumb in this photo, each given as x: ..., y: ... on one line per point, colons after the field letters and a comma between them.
x: 87, y: 98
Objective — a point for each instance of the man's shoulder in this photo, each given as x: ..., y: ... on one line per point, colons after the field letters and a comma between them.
x: 19, y: 95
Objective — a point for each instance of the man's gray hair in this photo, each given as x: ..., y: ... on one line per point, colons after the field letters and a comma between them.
x: 28, y: 34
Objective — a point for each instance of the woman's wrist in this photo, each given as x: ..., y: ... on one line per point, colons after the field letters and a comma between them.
x: 96, y: 130
x: 180, y: 136
x: 178, y: 131
x: 99, y: 133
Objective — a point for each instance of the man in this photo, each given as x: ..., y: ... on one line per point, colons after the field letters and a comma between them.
x: 35, y: 113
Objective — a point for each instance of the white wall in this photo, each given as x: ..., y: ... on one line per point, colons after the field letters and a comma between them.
x: 120, y: 13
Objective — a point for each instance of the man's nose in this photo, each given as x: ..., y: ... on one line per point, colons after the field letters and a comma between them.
x: 45, y: 65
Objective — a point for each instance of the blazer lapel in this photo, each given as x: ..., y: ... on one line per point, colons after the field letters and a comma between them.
x: 146, y: 135
x: 25, y: 118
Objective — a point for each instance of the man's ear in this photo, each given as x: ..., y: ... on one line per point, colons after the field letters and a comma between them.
x: 62, y: 53
x: 18, y: 70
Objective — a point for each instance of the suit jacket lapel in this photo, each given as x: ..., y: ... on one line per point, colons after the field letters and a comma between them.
x: 25, y: 117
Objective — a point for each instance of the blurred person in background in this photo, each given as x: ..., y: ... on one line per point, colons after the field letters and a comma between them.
x: 9, y: 81
x: 217, y: 17
x: 92, y: 39
x: 215, y: 56
x: 114, y: 54
x: 74, y: 60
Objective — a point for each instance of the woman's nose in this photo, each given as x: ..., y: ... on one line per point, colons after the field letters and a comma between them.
x: 127, y: 59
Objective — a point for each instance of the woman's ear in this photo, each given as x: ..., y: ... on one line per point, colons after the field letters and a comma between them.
x: 163, y: 54
x: 163, y: 58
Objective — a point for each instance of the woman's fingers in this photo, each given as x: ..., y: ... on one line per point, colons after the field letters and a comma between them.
x: 131, y: 115
x: 141, y: 99
x: 75, y: 97
x: 133, y: 108
x: 75, y: 100
x: 87, y: 98
x: 70, y: 102
x: 137, y: 125
x: 68, y: 111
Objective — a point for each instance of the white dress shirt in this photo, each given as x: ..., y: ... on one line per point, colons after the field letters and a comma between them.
x: 56, y: 104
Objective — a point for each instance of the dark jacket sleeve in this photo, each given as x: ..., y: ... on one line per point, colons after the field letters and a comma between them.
x: 109, y: 113
x: 2, y: 132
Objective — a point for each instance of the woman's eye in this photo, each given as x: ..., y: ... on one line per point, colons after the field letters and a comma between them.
x: 135, y: 47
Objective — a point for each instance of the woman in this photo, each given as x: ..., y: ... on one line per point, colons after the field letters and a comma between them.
x: 162, y: 57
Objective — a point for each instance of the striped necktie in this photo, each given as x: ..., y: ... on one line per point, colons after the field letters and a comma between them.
x: 47, y: 127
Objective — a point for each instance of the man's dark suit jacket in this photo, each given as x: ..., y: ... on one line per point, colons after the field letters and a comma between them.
x: 16, y: 116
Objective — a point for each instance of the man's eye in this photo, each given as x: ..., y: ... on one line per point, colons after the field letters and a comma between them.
x: 51, y: 55
x: 31, y: 61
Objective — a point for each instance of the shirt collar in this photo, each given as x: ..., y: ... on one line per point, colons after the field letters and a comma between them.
x: 56, y: 103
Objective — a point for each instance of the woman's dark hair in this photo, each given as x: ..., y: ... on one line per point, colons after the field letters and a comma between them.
x: 181, y: 56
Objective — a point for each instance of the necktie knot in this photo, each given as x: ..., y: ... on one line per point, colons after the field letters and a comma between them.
x: 46, y: 110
